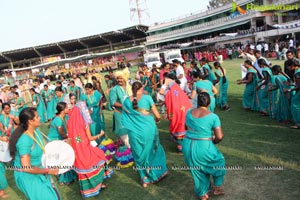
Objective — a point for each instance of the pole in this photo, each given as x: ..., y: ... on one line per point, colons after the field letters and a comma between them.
x: 138, y: 11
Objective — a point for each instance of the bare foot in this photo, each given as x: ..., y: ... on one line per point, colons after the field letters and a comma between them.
x: 3, y: 195
x: 103, y: 186
x: 204, y: 197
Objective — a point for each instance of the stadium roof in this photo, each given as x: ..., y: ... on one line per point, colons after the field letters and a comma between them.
x: 18, y: 56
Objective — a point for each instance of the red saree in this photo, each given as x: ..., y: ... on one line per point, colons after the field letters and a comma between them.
x: 177, y: 103
x: 89, y: 160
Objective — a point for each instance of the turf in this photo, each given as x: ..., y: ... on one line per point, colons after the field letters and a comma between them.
x: 251, y: 144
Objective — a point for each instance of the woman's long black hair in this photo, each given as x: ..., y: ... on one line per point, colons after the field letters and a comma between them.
x: 172, y: 77
x: 61, y: 106
x: 25, y: 115
x: 135, y: 87
x: 250, y: 63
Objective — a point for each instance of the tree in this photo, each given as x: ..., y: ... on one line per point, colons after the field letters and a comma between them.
x: 217, y: 3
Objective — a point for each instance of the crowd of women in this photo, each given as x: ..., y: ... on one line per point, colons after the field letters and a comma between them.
x: 271, y: 91
x: 187, y: 94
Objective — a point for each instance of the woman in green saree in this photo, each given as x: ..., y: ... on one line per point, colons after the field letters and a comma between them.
x: 74, y: 89
x: 200, y: 152
x: 281, y: 102
x: 7, y: 121
x: 59, y: 96
x: 250, y: 94
x: 223, y: 86
x: 264, y: 95
x: 26, y: 147
x: 40, y: 105
x: 48, y: 95
x: 93, y: 102
x: 295, y: 93
x: 58, y: 131
x: 149, y: 155
x: 146, y: 82
x: 4, y: 137
x: 3, y: 181
x: 20, y: 104
x: 274, y: 91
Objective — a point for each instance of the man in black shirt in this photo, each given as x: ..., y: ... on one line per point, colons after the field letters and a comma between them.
x: 290, y: 57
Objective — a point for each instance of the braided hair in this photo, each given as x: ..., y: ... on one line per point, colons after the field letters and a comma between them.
x: 135, y: 87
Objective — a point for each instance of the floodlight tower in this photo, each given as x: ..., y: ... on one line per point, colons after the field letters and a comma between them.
x: 139, y: 11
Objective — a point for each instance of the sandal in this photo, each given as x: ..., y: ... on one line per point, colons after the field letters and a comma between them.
x: 226, y: 108
x: 218, y: 191
x: 264, y: 114
x: 295, y: 127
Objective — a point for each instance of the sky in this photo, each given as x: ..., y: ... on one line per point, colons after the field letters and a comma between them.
x: 27, y: 23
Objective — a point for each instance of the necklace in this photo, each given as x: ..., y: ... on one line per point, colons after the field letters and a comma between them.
x: 91, y: 100
x: 39, y: 140
x: 5, y: 121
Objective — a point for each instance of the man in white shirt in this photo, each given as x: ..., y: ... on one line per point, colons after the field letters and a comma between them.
x: 248, y: 55
x: 266, y: 48
x: 291, y: 45
x: 283, y: 53
x: 229, y: 52
x: 180, y: 73
x: 42, y: 82
x: 277, y: 50
x: 258, y: 47
x: 14, y: 75
x: 64, y: 82
x: 50, y: 86
x: 18, y: 90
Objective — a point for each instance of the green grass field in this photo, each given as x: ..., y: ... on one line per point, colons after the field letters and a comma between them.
x: 250, y: 141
